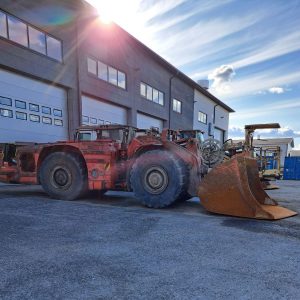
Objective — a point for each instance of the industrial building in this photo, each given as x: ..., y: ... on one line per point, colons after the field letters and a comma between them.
x: 61, y: 67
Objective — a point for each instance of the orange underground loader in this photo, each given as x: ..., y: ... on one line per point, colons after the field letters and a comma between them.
x: 160, y: 169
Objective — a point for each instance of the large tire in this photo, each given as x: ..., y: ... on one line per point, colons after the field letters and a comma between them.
x: 63, y: 176
x: 157, y: 178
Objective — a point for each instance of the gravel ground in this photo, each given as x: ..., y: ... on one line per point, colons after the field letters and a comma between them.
x: 115, y: 249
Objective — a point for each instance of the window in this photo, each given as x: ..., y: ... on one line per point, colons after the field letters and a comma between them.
x: 47, y: 120
x: 143, y: 89
x: 46, y: 110
x: 34, y: 107
x: 151, y: 93
x: 155, y: 96
x: 37, y: 40
x: 102, y: 71
x: 34, y: 118
x: 112, y: 75
x: 21, y: 115
x: 93, y: 120
x: 24, y: 34
x: 57, y: 112
x: 85, y: 120
x: 3, y: 28
x: 161, y: 98
x: 202, y: 117
x: 54, y: 48
x: 101, y: 122
x: 106, y: 73
x: 121, y: 80
x: 5, y: 101
x: 17, y: 31
x: 92, y: 66
x: 177, y: 105
x: 6, y: 113
x: 20, y: 104
x: 58, y: 122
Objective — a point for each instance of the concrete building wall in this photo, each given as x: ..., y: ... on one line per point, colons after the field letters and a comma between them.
x: 74, y: 23
x: 110, y: 44
x: 216, y: 115
x: 25, y: 61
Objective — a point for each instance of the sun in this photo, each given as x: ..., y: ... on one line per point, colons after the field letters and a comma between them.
x: 124, y: 13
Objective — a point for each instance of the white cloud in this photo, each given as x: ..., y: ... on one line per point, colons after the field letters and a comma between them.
x: 285, y: 44
x: 264, y: 112
x: 236, y: 132
x: 221, y: 77
x: 265, y: 45
x: 199, y: 40
x: 253, y: 84
x: 276, y: 90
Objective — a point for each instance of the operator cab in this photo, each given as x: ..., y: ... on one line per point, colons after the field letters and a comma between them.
x: 195, y: 134
x: 117, y: 133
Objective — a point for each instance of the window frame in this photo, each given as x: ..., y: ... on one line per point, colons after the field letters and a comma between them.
x: 27, y: 24
x: 8, y: 17
x: 57, y: 110
x: 20, y: 101
x: 85, y: 122
x: 145, y: 89
x: 93, y: 119
x: 96, y: 62
x: 204, y: 114
x: 3, y: 97
x: 37, y: 116
x: 119, y: 82
x: 60, y: 50
x: 177, y: 102
x: 5, y: 25
x: 111, y: 76
x: 44, y: 118
x: 9, y: 110
x: 22, y: 113
x: 48, y: 109
x: 32, y: 104
x: 160, y: 100
x: 108, y: 73
x: 60, y: 121
x: 44, y: 35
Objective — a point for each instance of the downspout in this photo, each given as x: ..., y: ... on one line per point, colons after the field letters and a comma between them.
x: 170, y: 97
x: 214, y: 116
x: 77, y: 45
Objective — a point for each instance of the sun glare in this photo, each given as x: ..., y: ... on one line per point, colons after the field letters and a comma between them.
x: 125, y: 13
x: 121, y: 12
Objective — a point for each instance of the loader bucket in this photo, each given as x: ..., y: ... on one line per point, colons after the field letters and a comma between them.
x: 233, y: 188
x: 266, y: 185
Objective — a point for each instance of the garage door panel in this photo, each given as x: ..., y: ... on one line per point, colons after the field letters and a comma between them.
x: 99, y: 110
x: 23, y: 122
x: 145, y: 122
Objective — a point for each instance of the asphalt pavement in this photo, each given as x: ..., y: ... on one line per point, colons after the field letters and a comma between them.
x: 114, y: 248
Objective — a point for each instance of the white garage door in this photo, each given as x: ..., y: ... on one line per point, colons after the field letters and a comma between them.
x: 30, y: 110
x: 145, y: 122
x: 219, y: 135
x: 96, y: 112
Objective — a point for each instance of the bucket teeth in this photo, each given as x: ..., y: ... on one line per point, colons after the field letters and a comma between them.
x: 234, y: 188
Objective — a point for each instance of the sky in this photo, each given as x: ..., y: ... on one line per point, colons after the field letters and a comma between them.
x: 249, y: 50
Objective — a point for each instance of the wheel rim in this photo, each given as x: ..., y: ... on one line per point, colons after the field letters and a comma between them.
x: 61, y: 177
x: 155, y: 180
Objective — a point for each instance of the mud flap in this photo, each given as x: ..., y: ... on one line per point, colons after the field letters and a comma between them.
x: 233, y: 188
